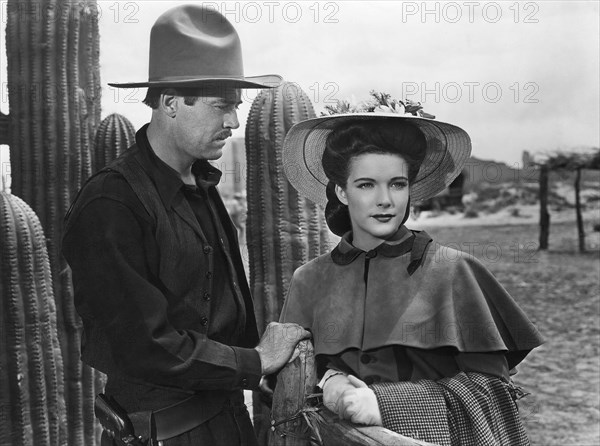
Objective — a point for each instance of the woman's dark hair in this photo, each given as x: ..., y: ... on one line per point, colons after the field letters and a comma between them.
x: 346, y: 143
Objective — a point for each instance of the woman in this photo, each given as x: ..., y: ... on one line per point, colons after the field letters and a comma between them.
x: 408, y: 334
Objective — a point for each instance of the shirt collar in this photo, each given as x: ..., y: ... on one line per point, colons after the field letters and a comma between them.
x: 167, y: 180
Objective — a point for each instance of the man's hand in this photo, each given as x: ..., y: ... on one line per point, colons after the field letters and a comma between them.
x: 359, y: 404
x: 277, y: 345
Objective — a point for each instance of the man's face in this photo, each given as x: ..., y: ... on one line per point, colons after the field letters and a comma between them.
x: 200, y: 130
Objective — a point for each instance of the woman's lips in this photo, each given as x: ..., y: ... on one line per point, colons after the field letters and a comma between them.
x: 384, y: 218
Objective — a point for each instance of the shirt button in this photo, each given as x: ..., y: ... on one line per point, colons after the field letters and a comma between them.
x: 206, y: 296
x: 208, y: 275
x: 204, y: 321
x: 245, y: 383
x: 207, y: 250
x: 365, y: 359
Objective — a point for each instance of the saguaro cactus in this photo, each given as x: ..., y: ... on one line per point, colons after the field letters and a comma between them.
x: 285, y: 230
x: 114, y: 135
x: 54, y: 98
x: 32, y: 408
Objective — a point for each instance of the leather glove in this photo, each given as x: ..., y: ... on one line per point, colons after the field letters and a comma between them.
x: 359, y: 403
x: 333, y: 387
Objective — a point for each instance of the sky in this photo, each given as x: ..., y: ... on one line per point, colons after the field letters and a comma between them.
x: 515, y: 75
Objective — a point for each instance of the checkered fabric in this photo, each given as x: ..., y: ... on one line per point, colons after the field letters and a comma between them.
x: 469, y: 409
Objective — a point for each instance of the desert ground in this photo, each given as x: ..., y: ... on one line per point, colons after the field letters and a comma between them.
x: 559, y: 289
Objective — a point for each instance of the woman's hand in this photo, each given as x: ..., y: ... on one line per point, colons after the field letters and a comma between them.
x: 359, y: 403
x: 333, y: 388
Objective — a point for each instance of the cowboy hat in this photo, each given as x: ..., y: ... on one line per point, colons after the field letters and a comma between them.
x: 192, y: 46
x: 448, y: 148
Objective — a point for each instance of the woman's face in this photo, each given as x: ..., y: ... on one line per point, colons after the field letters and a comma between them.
x: 377, y: 195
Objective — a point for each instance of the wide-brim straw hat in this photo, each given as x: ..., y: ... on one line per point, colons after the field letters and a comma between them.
x: 194, y: 46
x: 448, y: 148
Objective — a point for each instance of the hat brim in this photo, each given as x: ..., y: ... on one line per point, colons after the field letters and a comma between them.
x: 266, y: 81
x: 448, y: 149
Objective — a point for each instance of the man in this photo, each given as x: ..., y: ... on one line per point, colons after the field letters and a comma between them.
x: 158, y: 277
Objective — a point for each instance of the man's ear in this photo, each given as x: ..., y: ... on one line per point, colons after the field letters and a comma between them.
x: 169, y: 103
x: 341, y: 194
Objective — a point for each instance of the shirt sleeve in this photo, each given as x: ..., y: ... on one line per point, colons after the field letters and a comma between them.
x: 119, y: 299
x: 466, y: 409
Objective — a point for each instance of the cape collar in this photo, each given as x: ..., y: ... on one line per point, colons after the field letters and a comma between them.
x: 418, y: 241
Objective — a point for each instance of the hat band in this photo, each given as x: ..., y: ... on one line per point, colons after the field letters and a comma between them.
x: 195, y: 77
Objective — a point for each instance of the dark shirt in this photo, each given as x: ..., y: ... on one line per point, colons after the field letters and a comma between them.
x: 223, y: 283
x: 161, y: 324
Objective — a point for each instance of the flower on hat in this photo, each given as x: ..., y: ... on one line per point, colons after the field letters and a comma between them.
x: 378, y: 102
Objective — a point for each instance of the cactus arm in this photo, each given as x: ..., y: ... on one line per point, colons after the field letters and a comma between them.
x: 29, y: 412
x: 53, y: 370
x: 13, y: 333
x: 74, y: 104
x: 36, y: 162
x: 280, y: 226
x: 253, y: 238
x: 114, y: 135
x: 32, y: 328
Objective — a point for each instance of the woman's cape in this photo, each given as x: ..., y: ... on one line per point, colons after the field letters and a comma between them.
x: 355, y: 299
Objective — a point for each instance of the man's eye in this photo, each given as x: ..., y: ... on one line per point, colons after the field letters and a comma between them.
x: 227, y: 107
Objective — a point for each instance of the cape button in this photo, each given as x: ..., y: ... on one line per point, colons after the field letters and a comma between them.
x: 204, y: 321
x: 206, y: 296
x: 207, y: 249
x: 371, y: 254
x: 365, y: 359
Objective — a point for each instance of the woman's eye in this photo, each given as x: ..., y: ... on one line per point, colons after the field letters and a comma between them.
x: 400, y: 184
x: 364, y: 185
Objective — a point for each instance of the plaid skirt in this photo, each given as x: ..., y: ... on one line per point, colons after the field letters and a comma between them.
x: 469, y: 409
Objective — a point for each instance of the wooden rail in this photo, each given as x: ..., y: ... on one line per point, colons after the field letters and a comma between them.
x: 298, y: 421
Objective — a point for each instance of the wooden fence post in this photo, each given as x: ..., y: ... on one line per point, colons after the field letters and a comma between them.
x: 544, y: 215
x: 297, y: 421
x: 580, y: 230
